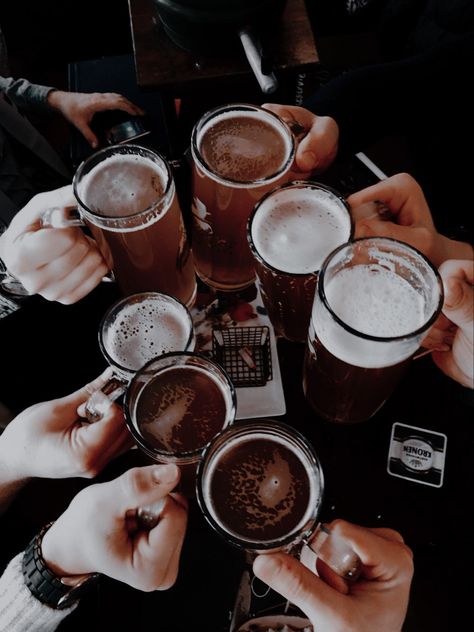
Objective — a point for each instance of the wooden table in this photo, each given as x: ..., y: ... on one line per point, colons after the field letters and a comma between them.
x: 163, y: 65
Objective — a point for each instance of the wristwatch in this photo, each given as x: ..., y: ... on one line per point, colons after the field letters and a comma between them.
x: 56, y: 592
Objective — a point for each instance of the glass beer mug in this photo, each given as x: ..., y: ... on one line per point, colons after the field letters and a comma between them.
x: 260, y: 486
x: 126, y: 196
x: 239, y: 152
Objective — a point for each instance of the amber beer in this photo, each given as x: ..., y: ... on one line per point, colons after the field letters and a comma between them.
x: 128, y: 199
x: 376, y: 298
x: 175, y: 405
x: 260, y: 485
x: 291, y: 231
x: 239, y: 153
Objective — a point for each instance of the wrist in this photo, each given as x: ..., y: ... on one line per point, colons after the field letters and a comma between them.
x: 52, y: 554
x: 52, y: 588
x: 447, y: 248
x: 54, y: 99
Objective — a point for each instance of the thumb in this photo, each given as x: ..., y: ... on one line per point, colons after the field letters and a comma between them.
x: 79, y: 397
x: 458, y: 305
x: 143, y: 486
x: 295, y: 582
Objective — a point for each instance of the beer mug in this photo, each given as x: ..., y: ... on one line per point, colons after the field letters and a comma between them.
x: 239, y: 153
x: 127, y: 198
x: 291, y: 231
x: 175, y: 405
x: 376, y: 298
x: 260, y: 486
x: 133, y: 331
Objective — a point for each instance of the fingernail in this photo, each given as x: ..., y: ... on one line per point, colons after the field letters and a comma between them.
x: 165, y: 473
x: 95, y: 144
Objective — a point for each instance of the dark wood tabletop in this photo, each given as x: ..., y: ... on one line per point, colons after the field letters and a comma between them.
x: 162, y: 64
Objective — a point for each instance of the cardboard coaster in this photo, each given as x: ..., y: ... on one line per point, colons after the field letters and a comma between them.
x: 417, y: 454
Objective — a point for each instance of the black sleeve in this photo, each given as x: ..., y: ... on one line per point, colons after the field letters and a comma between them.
x: 373, y: 101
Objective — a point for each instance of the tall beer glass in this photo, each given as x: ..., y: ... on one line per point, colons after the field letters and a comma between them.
x: 175, y: 405
x: 239, y: 153
x: 127, y: 198
x: 375, y: 300
x: 260, y: 485
x: 291, y: 231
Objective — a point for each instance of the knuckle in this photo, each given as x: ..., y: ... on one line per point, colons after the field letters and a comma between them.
x: 133, y: 483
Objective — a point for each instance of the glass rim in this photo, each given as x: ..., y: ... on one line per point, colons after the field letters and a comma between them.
x: 242, y: 107
x: 387, y: 339
x: 248, y: 428
x: 139, y: 297
x: 185, y: 455
x: 310, y: 184
x: 167, y: 191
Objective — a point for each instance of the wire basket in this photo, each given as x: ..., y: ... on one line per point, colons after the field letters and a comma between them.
x: 245, y: 354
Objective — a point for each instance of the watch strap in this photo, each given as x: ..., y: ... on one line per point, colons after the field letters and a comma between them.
x: 45, y: 585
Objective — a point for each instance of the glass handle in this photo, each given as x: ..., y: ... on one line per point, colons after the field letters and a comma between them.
x: 335, y: 552
x: 60, y: 217
x: 100, y: 401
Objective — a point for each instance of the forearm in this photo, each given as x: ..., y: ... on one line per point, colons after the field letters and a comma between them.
x: 19, y: 609
x: 11, y: 481
x: 371, y: 102
x: 26, y: 95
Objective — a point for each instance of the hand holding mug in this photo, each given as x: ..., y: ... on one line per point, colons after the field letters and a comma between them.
x: 318, y: 138
x: 411, y: 220
x: 377, y: 601
x: 50, y: 440
x: 456, y: 324
x: 98, y: 533
x: 60, y: 264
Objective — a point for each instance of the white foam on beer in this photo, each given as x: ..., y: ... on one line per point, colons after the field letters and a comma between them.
x: 273, y: 489
x: 123, y: 185
x: 142, y: 331
x: 372, y: 300
x: 295, y: 229
x: 248, y: 150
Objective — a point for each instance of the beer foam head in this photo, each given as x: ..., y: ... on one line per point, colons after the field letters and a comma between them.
x: 122, y: 185
x: 244, y: 146
x: 263, y: 491
x: 375, y: 301
x: 295, y: 228
x: 143, y: 330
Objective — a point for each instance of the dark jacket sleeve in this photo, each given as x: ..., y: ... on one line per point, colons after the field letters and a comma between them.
x: 373, y: 101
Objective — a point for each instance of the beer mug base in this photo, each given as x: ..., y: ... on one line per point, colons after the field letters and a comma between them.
x: 224, y: 287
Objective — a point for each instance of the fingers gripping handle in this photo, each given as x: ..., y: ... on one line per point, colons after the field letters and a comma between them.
x: 60, y: 217
x: 54, y: 217
x: 100, y: 401
x: 336, y: 553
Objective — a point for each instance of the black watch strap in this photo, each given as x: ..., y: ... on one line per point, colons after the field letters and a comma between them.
x: 43, y: 583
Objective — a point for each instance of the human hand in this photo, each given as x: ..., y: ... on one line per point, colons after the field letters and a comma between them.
x: 318, y: 147
x: 455, y: 327
x: 61, y: 264
x: 50, y: 440
x: 377, y: 601
x: 98, y: 531
x: 79, y: 108
x: 411, y: 220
